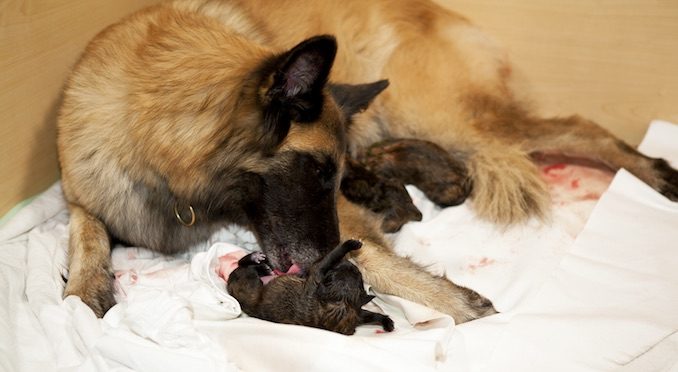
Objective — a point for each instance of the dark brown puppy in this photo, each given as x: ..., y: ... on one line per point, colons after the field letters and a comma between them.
x: 386, y: 196
x: 330, y: 297
x: 443, y: 178
x: 377, y: 179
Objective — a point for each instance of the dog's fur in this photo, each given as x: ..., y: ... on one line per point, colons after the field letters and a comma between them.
x: 213, y: 110
x: 330, y: 296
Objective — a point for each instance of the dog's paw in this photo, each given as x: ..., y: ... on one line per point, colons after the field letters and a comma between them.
x: 478, y: 305
x: 668, y: 176
x: 95, y: 289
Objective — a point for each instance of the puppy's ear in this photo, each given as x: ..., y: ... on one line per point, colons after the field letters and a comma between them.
x: 353, y: 99
x: 366, y: 299
x: 296, y: 85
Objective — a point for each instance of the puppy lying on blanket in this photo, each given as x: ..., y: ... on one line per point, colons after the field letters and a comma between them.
x: 329, y: 297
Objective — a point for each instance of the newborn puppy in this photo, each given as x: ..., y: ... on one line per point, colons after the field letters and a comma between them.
x: 385, y: 196
x: 443, y: 178
x: 331, y: 296
x: 377, y: 179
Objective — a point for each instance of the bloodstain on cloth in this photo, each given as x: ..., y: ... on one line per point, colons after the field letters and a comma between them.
x: 570, y: 183
x: 483, y: 262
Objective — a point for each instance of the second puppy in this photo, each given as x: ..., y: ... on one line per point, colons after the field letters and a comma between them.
x: 330, y: 297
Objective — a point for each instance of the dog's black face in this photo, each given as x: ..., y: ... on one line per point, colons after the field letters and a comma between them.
x: 303, y: 141
x: 295, y: 218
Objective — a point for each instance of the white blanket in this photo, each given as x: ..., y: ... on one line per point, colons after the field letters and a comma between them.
x: 598, y: 297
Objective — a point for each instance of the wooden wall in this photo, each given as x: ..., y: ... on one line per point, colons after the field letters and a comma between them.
x: 39, y: 42
x: 615, y: 61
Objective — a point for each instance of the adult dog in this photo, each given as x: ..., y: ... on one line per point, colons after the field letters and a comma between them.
x: 197, y: 113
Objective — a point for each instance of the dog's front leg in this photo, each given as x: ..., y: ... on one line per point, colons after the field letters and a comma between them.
x: 89, y: 262
x: 391, y: 274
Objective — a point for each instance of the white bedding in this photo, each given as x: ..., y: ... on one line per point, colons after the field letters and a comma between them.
x: 581, y: 293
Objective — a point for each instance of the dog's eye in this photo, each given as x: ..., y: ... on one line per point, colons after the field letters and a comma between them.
x: 326, y: 173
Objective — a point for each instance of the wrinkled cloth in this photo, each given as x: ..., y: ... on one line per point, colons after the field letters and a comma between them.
x: 576, y: 293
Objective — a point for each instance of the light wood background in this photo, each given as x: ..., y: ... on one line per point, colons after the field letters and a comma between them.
x: 39, y: 42
x: 615, y: 61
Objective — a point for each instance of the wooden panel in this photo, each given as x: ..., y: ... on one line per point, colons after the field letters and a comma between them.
x: 39, y: 42
x: 614, y: 61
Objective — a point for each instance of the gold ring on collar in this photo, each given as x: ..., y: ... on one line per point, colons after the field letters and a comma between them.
x: 181, y: 220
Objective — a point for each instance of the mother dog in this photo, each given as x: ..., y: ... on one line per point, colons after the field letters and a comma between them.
x: 194, y: 114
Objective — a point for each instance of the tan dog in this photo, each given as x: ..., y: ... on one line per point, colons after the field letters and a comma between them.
x: 197, y: 113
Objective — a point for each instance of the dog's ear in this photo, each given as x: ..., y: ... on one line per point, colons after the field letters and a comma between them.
x: 366, y: 299
x: 353, y: 99
x: 296, y: 85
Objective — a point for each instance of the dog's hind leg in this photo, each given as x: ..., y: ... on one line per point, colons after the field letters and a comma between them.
x: 391, y: 274
x: 579, y: 138
x: 89, y: 256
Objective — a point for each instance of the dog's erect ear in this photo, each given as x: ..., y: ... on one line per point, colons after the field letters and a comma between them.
x: 302, y: 73
x: 298, y: 79
x: 356, y: 98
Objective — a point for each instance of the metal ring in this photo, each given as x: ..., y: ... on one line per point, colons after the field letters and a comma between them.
x: 181, y: 220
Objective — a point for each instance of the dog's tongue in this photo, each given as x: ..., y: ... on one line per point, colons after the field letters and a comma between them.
x: 293, y: 270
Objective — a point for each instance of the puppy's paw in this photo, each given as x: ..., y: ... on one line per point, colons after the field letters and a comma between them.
x: 254, y: 258
x: 351, y: 244
x: 399, y: 215
x: 258, y: 257
x: 387, y: 324
x: 448, y: 193
x: 258, y: 261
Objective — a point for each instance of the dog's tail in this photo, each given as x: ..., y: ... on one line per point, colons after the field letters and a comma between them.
x: 507, y: 187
